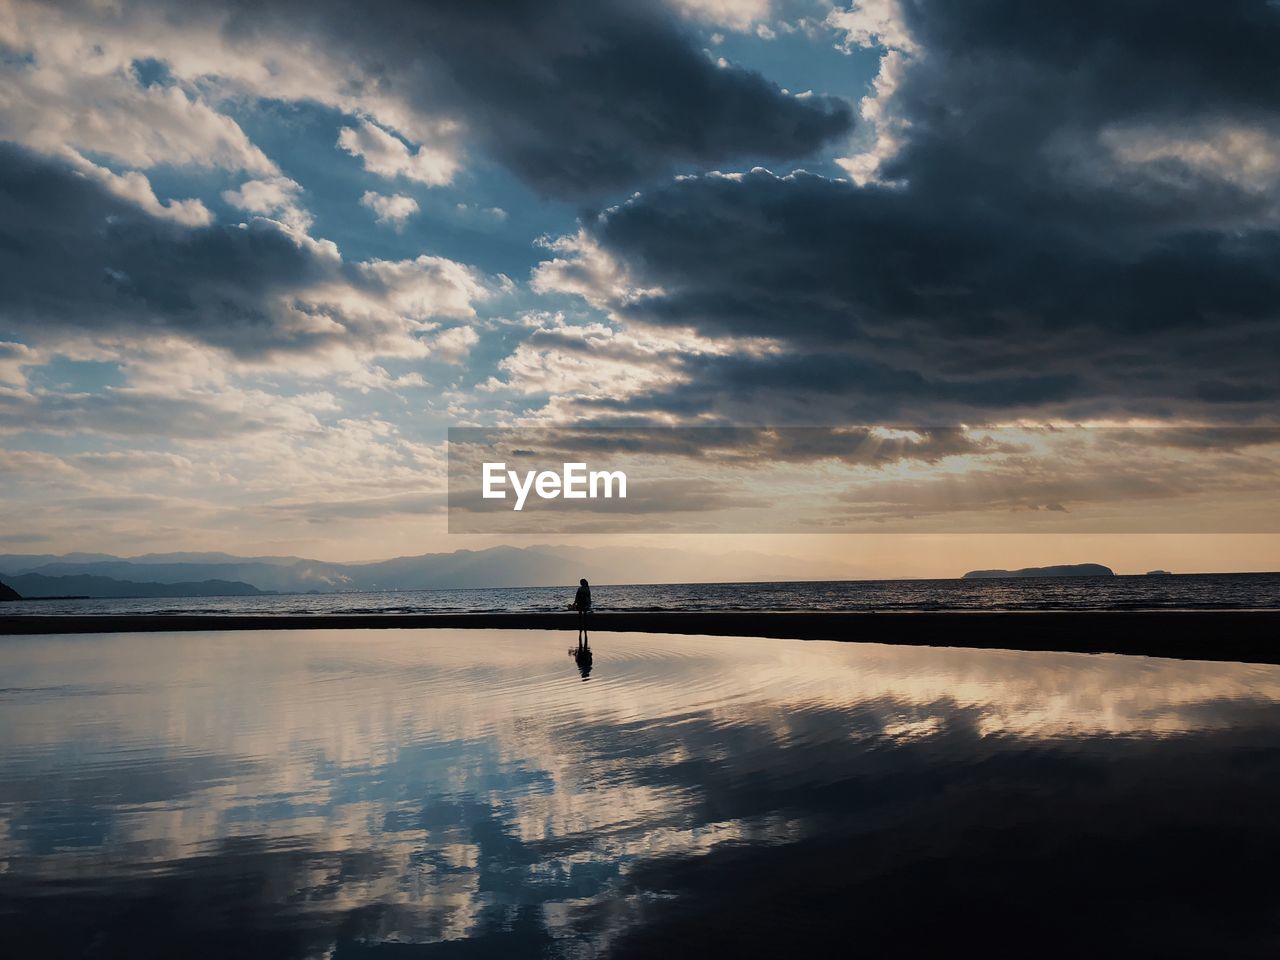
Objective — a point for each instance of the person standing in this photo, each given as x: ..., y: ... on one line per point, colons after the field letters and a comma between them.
x: 582, y: 603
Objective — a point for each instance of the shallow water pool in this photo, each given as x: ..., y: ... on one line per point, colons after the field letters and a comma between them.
x: 405, y: 793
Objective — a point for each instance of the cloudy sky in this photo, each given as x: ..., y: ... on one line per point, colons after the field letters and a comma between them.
x: 257, y: 258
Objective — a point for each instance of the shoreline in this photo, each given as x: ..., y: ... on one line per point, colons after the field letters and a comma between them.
x: 1247, y: 636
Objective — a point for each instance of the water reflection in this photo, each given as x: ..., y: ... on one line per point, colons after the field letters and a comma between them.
x: 354, y: 793
x: 582, y: 655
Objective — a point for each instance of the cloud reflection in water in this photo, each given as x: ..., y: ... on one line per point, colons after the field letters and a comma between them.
x: 353, y: 793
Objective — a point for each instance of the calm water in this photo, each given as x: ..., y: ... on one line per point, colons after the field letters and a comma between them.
x: 1182, y: 592
x: 404, y: 794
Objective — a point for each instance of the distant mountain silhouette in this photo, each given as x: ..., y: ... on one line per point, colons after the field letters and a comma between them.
x: 8, y: 593
x: 34, y: 585
x: 1159, y: 573
x: 1062, y: 570
x: 502, y: 566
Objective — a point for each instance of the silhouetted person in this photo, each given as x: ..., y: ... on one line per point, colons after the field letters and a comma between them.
x: 582, y: 603
x: 582, y: 657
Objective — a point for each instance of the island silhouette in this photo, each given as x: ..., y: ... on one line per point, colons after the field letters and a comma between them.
x: 1061, y: 570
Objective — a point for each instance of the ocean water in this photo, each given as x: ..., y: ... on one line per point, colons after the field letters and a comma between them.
x: 1181, y: 592
x: 421, y: 794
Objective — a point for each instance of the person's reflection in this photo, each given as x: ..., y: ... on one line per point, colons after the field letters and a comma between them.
x: 582, y: 656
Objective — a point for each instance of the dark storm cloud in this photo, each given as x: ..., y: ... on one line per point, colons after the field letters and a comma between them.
x: 574, y: 96
x: 73, y: 256
x: 812, y: 259
x: 831, y: 383
x: 1006, y: 93
x: 1080, y: 220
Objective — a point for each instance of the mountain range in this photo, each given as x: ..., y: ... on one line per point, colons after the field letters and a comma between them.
x: 38, y: 585
x: 215, y: 574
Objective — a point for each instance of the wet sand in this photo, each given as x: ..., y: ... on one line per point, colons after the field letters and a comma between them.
x: 1242, y: 635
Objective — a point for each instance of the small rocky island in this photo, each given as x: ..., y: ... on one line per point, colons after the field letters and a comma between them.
x: 1062, y: 570
x: 1159, y: 573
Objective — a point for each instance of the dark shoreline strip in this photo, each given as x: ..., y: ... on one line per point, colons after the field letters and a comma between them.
x: 1244, y: 635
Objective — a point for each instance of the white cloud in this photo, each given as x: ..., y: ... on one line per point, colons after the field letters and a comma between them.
x: 734, y: 14
x: 889, y: 132
x: 585, y: 270
x: 74, y: 84
x: 193, y: 414
x: 567, y: 360
x: 374, y: 377
x: 13, y: 357
x: 873, y: 23
x: 34, y: 466
x: 236, y: 462
x: 867, y: 24
x: 95, y: 104
x: 427, y: 287
x: 470, y: 210
x: 388, y: 156
x: 263, y: 196
x: 200, y: 44
x: 274, y: 197
x: 392, y: 210
x: 454, y: 345
x: 73, y: 98
x: 136, y: 188
x: 583, y: 361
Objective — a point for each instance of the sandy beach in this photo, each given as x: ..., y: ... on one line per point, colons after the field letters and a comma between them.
x: 1241, y: 635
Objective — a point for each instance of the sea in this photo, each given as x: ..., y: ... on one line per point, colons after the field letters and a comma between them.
x: 1212, y: 591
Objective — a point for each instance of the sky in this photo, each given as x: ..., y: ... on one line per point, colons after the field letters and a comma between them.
x: 257, y: 258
